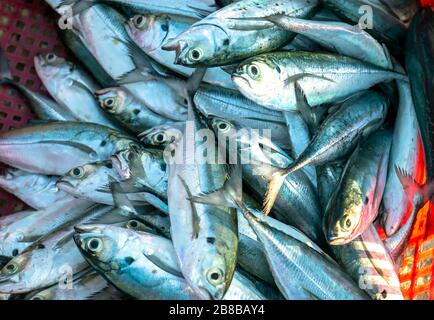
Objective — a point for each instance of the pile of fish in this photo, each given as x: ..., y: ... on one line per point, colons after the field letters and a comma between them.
x: 250, y: 150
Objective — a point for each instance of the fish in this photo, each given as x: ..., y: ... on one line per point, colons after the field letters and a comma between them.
x: 257, y: 154
x: 369, y: 264
x: 127, y: 109
x: 36, y: 190
x: 301, y: 270
x: 44, y: 107
x: 354, y: 204
x: 57, y: 147
x: 52, y: 258
x: 404, y: 154
x: 268, y: 79
x: 145, y: 265
x: 205, y: 237
x: 101, y: 28
x: 377, y: 20
x: 20, y: 230
x: 233, y: 106
x: 72, y: 88
x: 236, y: 32
x: 337, y: 137
x: 417, y: 196
x: 150, y: 32
x: 84, y: 287
x: 71, y: 38
x: 419, y: 53
x: 345, y: 39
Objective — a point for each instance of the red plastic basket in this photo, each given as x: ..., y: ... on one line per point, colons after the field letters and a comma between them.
x: 28, y: 27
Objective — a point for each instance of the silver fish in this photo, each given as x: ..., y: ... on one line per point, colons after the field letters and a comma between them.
x: 36, y: 190
x: 55, y: 148
x: 236, y: 32
x: 128, y: 258
x: 355, y: 202
x: 51, y: 259
x: 150, y: 32
x: 268, y: 79
x: 367, y: 261
x: 126, y: 108
x: 72, y: 88
x: 338, y: 135
x: 20, y: 230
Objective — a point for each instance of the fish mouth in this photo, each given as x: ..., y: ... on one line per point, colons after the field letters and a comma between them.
x: 123, y: 170
x: 179, y: 46
x: 236, y: 77
x: 65, y: 186
x: 81, y: 229
x: 337, y: 241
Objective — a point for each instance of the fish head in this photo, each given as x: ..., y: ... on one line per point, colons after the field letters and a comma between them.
x: 13, y: 275
x: 201, y: 45
x: 126, y: 160
x: 223, y: 127
x: 49, y: 66
x: 86, y: 178
x: 148, y: 31
x: 96, y: 245
x: 257, y: 77
x: 344, y: 216
x: 112, y: 100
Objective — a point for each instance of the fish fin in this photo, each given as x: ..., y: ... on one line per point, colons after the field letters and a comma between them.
x: 39, y: 121
x: 121, y: 200
x: 230, y: 195
x: 195, y: 80
x: 250, y: 24
x: 162, y: 265
x: 30, y: 238
x: 300, y: 76
x: 230, y: 69
x: 4, y: 66
x: 312, y: 116
x: 82, y: 85
x: 63, y: 241
x: 277, y: 179
x: 105, y: 188
x: 311, y: 295
x: 409, y: 184
x: 194, y: 213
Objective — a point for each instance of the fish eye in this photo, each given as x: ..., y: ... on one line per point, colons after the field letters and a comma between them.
x: 51, y: 57
x: 132, y: 224
x: 11, y: 268
x: 77, y: 172
x: 94, y: 245
x: 347, y: 222
x: 253, y: 72
x: 109, y: 103
x: 139, y: 21
x: 223, y: 126
x: 215, y: 276
x: 160, y: 137
x: 195, y: 54
x: 37, y: 297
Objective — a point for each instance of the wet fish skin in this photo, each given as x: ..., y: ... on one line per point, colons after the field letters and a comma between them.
x: 83, y: 288
x: 50, y: 258
x: 298, y: 194
x: 301, y: 272
x: 60, y: 146
x: 71, y: 38
x: 236, y: 32
x: 386, y: 27
x: 127, y: 259
x: 72, y: 88
x: 404, y: 154
x: 122, y: 105
x: 328, y: 179
x: 151, y: 31
x: 20, y: 230
x: 354, y: 204
x: 419, y: 53
x: 36, y: 190
x: 233, y: 106
x: 337, y: 136
x: 368, y: 262
x: 205, y: 237
x: 267, y: 79
x: 348, y: 40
